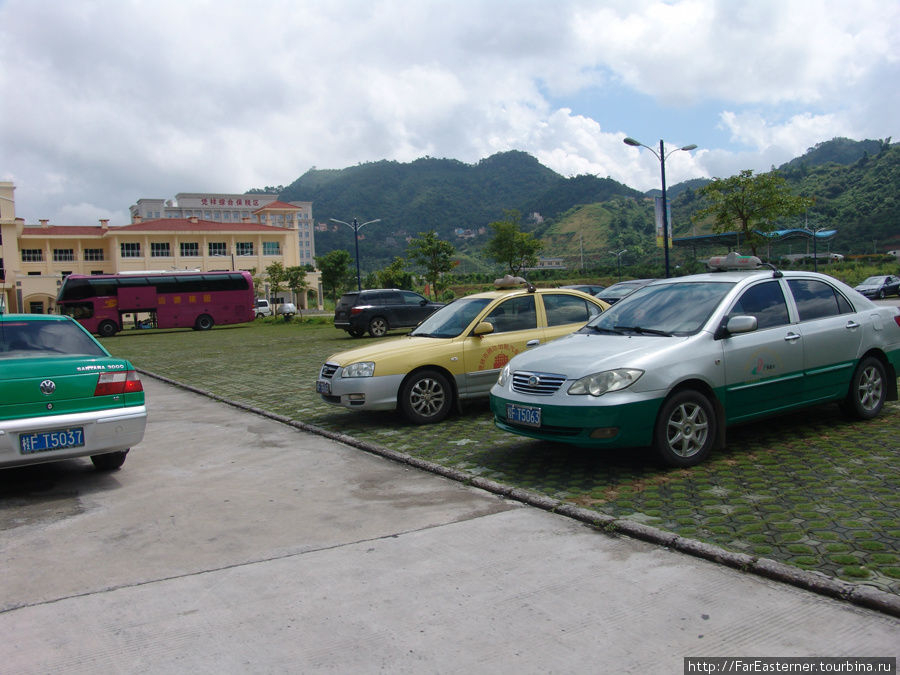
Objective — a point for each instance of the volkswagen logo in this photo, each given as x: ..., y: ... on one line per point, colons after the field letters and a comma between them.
x: 534, y: 380
x: 48, y: 387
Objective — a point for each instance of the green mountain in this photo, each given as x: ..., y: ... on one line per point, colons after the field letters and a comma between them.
x: 583, y: 218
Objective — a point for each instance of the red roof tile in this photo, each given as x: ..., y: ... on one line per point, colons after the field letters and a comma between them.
x: 187, y: 225
x: 278, y: 205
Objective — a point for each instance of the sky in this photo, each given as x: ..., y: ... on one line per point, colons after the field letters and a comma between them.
x: 105, y: 102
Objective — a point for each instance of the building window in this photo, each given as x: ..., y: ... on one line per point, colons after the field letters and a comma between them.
x: 32, y: 255
x: 63, y: 254
x: 217, y: 248
x: 244, y: 248
x: 93, y: 254
x: 271, y: 248
x: 130, y: 249
x: 160, y: 249
x: 190, y: 249
x: 96, y: 272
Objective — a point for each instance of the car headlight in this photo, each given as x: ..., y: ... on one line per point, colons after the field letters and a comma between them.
x: 504, y: 375
x: 598, y: 384
x: 361, y: 369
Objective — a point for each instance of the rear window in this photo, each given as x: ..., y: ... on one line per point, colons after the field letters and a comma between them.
x: 31, y: 338
x: 347, y: 300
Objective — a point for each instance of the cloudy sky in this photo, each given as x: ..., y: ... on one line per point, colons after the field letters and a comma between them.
x: 108, y: 101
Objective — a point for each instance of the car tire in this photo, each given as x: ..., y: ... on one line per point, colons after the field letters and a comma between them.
x: 107, y: 329
x: 426, y: 397
x: 685, y: 429
x: 356, y: 332
x: 868, y: 390
x: 203, y: 322
x: 378, y: 326
x: 881, y: 294
x: 109, y: 461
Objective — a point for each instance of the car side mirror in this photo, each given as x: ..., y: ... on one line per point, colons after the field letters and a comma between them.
x: 422, y: 303
x: 741, y: 324
x: 483, y: 328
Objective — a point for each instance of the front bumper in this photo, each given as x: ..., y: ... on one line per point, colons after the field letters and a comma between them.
x: 104, y: 431
x: 361, y: 393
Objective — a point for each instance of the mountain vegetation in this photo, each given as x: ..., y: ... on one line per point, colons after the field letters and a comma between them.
x: 584, y: 219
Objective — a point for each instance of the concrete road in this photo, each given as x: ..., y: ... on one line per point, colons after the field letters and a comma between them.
x: 232, y: 543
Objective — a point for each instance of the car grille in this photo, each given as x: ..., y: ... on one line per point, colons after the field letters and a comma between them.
x: 540, y: 384
x: 328, y: 370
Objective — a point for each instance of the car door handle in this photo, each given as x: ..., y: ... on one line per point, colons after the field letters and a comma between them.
x: 790, y: 337
x: 852, y: 325
x: 532, y: 343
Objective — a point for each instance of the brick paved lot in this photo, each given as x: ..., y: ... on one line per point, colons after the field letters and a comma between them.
x: 811, y: 489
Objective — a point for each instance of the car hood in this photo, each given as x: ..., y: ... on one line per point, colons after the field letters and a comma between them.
x: 580, y: 354
x: 384, y: 349
x: 867, y: 287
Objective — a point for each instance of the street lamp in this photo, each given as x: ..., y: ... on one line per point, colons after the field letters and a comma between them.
x: 618, y: 255
x: 662, y: 156
x: 356, y: 227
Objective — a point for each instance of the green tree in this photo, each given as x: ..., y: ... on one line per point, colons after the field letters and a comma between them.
x: 335, y: 269
x: 751, y: 204
x: 432, y: 253
x: 512, y: 247
x: 277, y: 276
x: 295, y: 279
x: 394, y: 275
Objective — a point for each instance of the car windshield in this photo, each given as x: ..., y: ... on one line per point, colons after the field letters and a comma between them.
x: 873, y: 281
x: 451, y: 320
x: 29, y: 338
x: 618, y: 290
x: 678, y: 308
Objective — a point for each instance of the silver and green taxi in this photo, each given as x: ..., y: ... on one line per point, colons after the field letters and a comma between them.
x: 677, y: 361
x: 63, y: 396
x: 453, y: 355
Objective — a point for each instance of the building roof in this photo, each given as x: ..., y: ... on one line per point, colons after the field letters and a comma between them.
x: 278, y: 206
x: 193, y: 225
x: 63, y: 231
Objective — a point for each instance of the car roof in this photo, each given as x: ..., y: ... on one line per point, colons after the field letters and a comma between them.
x: 33, y: 317
x: 503, y: 293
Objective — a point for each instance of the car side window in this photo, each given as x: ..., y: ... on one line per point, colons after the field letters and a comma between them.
x: 411, y: 298
x: 564, y: 309
x: 513, y: 314
x: 816, y: 299
x: 766, y: 302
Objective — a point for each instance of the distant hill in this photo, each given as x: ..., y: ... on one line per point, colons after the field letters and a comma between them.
x: 854, y: 183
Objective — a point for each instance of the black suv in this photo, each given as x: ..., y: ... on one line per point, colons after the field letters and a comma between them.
x: 380, y: 310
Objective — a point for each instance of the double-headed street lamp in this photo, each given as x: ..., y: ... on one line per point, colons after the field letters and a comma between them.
x: 618, y: 255
x: 662, y: 156
x: 356, y: 227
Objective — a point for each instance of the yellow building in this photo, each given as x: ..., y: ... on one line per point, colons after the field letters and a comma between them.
x: 34, y: 259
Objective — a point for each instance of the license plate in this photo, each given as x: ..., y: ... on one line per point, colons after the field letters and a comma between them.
x: 522, y: 414
x: 44, y: 441
x: 323, y: 386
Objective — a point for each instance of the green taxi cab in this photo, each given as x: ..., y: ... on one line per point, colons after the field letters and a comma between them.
x: 453, y: 355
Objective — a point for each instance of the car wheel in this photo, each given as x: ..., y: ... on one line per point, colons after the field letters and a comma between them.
x: 378, y: 326
x: 426, y: 397
x: 259, y: 316
x: 356, y: 332
x: 109, y: 461
x: 685, y: 429
x: 204, y: 322
x: 868, y: 390
x: 881, y: 294
x: 107, y: 328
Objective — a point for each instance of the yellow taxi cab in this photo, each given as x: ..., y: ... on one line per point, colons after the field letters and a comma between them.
x: 456, y: 353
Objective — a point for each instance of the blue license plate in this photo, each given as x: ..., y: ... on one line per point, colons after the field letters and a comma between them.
x: 523, y: 414
x: 323, y: 387
x: 44, y: 441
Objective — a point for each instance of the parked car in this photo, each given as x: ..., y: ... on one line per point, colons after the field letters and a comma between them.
x: 263, y: 308
x: 380, y: 310
x: 677, y: 361
x: 62, y: 395
x: 286, y: 309
x: 590, y: 289
x: 616, y: 292
x: 879, y: 286
x: 454, y: 355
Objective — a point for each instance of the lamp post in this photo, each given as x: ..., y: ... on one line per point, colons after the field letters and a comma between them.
x: 618, y: 255
x: 662, y: 156
x: 356, y: 227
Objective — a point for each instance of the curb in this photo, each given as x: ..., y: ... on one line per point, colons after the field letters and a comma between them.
x: 863, y: 596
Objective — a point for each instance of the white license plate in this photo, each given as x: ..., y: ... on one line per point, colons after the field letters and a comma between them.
x: 523, y: 414
x: 323, y: 387
x: 44, y: 441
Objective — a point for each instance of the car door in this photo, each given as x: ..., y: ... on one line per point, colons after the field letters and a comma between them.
x: 763, y: 368
x: 416, y: 307
x: 515, y: 323
x: 831, y: 334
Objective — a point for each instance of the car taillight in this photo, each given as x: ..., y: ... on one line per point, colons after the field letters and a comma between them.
x: 355, y: 310
x: 120, y: 382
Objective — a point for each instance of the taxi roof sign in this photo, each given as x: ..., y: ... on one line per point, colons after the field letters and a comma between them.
x: 734, y: 261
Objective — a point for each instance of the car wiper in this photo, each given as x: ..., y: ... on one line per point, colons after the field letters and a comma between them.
x: 644, y: 331
x: 608, y: 331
